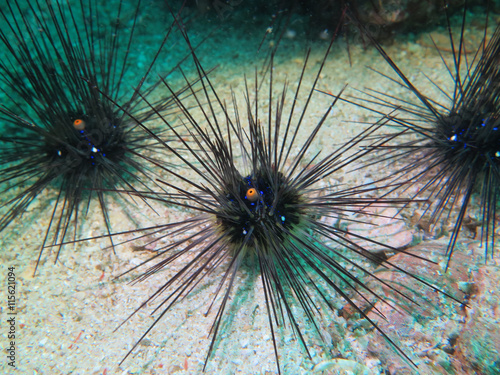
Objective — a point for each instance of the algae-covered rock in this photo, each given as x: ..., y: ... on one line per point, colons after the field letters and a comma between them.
x: 479, y: 341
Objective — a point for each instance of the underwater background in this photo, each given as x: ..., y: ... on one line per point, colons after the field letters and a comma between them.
x: 67, y: 314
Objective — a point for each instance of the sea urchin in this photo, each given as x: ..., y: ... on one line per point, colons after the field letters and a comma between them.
x: 58, y: 132
x: 261, y: 202
x: 455, y: 150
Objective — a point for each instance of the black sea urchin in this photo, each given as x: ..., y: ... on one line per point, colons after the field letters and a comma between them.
x: 261, y: 204
x: 57, y: 132
x: 455, y: 152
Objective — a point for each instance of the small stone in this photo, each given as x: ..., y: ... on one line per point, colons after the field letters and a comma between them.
x: 383, y: 224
